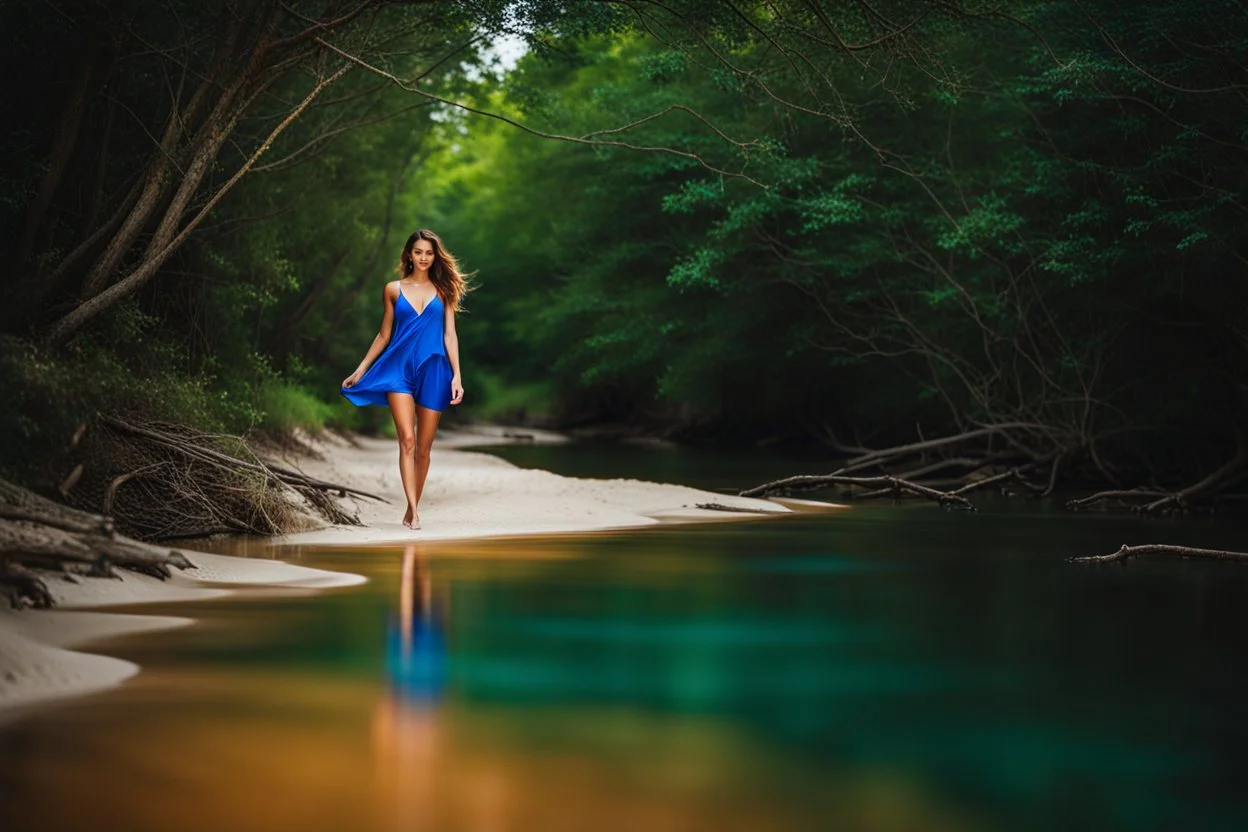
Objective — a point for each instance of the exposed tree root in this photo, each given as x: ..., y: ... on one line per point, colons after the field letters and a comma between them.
x: 1127, y: 552
x: 183, y: 441
x: 161, y: 480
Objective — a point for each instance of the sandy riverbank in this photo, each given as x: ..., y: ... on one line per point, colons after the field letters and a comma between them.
x: 474, y: 495
x: 468, y: 495
x: 37, y: 663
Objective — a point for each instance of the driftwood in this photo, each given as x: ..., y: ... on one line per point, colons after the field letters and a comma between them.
x: 890, y: 485
x: 37, y: 533
x: 881, y: 485
x: 999, y: 453
x: 989, y: 455
x: 173, y: 481
x: 22, y: 586
x: 1128, y: 552
x: 1156, y: 501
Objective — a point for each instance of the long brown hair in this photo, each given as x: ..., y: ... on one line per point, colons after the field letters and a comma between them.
x: 451, y: 283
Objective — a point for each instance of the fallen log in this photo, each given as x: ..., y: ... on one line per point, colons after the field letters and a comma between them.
x: 17, y: 503
x: 37, y: 533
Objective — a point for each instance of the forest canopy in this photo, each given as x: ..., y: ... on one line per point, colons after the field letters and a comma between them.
x: 851, y: 223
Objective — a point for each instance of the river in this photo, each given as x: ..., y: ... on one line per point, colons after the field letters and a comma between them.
x: 889, y: 667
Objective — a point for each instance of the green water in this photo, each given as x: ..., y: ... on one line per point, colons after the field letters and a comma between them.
x: 885, y: 668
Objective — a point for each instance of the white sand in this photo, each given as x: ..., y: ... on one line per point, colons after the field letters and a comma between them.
x: 468, y: 495
x: 475, y: 495
x: 35, y: 664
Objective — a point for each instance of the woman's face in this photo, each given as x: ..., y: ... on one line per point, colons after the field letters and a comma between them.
x: 422, y: 254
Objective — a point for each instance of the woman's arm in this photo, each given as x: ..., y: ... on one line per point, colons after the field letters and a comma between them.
x: 382, y: 339
x: 451, y: 339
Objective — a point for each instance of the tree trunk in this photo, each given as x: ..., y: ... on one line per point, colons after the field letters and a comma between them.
x: 168, y: 235
x: 179, y: 124
x: 66, y: 139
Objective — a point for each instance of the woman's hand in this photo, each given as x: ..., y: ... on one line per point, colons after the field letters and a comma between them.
x: 457, y: 390
x: 350, y: 380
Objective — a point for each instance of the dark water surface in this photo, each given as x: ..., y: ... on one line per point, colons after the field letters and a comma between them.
x: 883, y: 668
x: 712, y: 468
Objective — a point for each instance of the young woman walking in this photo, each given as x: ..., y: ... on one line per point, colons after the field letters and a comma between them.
x: 413, y: 363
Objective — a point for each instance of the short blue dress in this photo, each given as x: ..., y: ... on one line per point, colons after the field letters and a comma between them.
x: 414, y: 362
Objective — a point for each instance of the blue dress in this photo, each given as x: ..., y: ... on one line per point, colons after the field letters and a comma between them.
x: 414, y: 362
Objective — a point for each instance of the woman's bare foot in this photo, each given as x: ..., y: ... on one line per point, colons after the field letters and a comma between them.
x: 411, y: 519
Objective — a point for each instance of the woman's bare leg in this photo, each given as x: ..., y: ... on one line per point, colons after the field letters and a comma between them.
x: 426, y: 428
x: 403, y: 409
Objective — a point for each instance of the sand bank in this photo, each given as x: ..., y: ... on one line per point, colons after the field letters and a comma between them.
x: 468, y: 495
x: 475, y: 495
x: 37, y: 664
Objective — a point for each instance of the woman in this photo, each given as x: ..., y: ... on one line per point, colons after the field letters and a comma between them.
x: 416, y: 367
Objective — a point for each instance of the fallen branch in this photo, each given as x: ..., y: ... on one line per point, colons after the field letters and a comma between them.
x: 160, y: 480
x: 1013, y: 474
x: 1127, y: 552
x: 801, y: 482
x: 1230, y: 473
x: 202, y: 453
x: 1114, y: 494
x: 1154, y: 501
x: 722, y: 507
x: 883, y: 485
x: 886, y: 454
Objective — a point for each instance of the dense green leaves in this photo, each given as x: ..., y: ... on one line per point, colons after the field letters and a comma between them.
x: 761, y: 218
x: 992, y: 216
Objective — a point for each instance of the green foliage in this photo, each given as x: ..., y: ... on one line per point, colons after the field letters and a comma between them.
x: 284, y: 406
x: 977, y: 220
x: 497, y: 398
x: 972, y: 222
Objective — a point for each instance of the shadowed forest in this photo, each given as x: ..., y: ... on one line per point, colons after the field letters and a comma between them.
x: 996, y: 237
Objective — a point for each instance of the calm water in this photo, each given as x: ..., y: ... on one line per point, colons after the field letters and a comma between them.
x: 715, y: 469
x: 886, y: 668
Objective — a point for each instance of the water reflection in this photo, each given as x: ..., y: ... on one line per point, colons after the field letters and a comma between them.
x: 874, y: 672
x: 407, y: 729
x: 492, y: 736
x: 416, y: 643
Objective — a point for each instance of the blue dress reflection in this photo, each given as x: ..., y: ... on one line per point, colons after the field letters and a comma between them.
x: 416, y: 641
